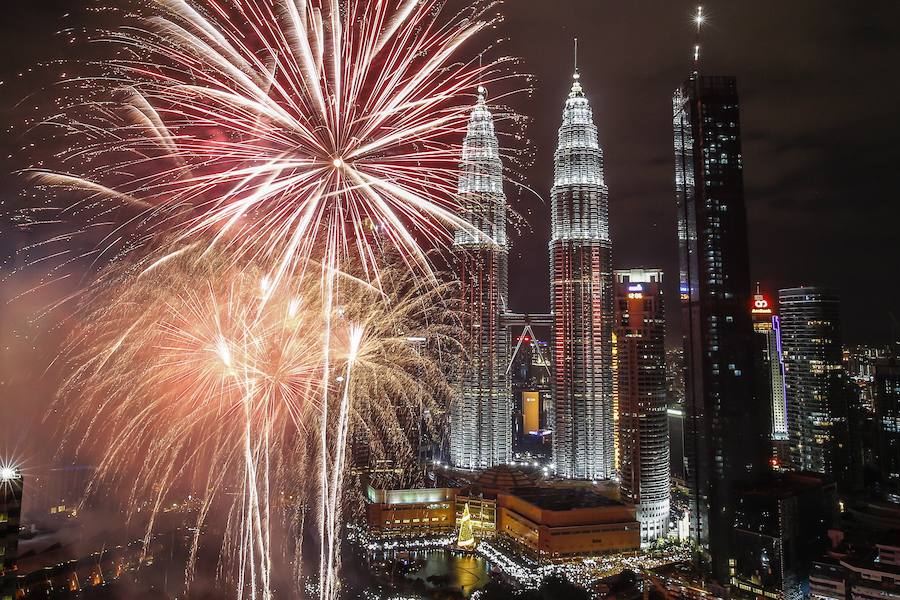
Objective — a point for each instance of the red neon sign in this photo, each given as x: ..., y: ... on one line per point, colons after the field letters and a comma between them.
x: 760, y: 305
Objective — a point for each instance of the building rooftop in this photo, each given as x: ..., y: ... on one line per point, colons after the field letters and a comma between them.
x: 864, y: 562
x: 504, y: 477
x: 785, y: 485
x: 568, y: 498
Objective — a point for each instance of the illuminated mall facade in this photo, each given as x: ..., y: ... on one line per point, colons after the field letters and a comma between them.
x: 543, y: 521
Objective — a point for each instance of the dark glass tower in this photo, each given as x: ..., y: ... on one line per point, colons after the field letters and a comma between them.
x: 726, y: 425
x: 581, y: 298
x: 481, y: 416
x: 887, y: 411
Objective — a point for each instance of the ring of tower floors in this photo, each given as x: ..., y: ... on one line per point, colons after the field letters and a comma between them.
x: 545, y: 521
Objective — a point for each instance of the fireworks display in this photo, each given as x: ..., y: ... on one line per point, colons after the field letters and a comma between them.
x: 195, y: 374
x: 256, y: 170
x: 273, y: 128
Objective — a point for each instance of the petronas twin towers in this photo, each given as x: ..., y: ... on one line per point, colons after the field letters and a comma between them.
x: 481, y: 416
x: 581, y: 295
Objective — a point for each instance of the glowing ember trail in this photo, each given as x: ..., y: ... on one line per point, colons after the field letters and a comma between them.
x: 239, y: 158
x: 192, y: 378
x: 279, y: 130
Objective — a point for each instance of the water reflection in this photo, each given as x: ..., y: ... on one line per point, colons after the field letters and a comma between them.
x: 443, y: 571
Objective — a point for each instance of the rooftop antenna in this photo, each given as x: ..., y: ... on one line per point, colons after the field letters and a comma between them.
x: 576, y: 85
x: 698, y: 19
x: 576, y: 57
x: 482, y: 92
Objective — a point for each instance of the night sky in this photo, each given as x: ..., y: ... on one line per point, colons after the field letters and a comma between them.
x: 819, y: 99
x: 819, y: 92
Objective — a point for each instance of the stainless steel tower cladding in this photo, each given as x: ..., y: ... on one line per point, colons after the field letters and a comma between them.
x: 481, y: 416
x: 581, y: 298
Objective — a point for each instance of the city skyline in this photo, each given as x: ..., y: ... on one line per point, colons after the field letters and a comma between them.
x: 656, y: 54
x: 310, y: 289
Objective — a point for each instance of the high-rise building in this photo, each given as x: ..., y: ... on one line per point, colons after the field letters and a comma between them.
x: 643, y: 429
x: 770, y: 372
x: 859, y: 365
x: 862, y: 424
x: 481, y: 416
x: 780, y: 526
x: 10, y: 511
x: 726, y: 425
x: 675, y: 400
x: 887, y: 417
x: 675, y: 377
x: 816, y: 394
x: 581, y: 298
x: 530, y: 381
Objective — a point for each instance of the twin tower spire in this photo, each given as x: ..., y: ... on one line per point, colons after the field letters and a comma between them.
x: 581, y: 301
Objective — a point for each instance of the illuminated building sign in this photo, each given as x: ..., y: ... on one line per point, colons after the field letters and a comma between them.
x: 760, y: 305
x: 636, y: 287
x: 531, y: 402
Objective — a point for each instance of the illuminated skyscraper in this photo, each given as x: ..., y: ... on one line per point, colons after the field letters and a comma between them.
x: 817, y: 396
x: 726, y: 425
x: 481, y: 416
x: 643, y: 429
x: 581, y: 298
x: 10, y: 510
x: 771, y: 371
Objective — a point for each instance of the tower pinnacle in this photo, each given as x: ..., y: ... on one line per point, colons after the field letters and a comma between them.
x: 576, y: 76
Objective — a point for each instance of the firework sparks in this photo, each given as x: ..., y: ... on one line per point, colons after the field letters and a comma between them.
x: 280, y: 128
x: 247, y: 155
x: 213, y: 381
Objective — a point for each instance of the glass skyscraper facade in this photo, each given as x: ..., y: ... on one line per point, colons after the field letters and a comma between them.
x: 481, y: 415
x: 643, y: 429
x: 887, y: 416
x: 726, y: 425
x: 817, y: 397
x: 581, y: 299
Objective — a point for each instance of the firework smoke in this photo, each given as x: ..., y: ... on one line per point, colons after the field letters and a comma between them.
x: 199, y: 376
x: 248, y: 165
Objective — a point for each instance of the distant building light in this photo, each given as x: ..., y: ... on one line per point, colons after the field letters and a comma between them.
x: 9, y: 473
